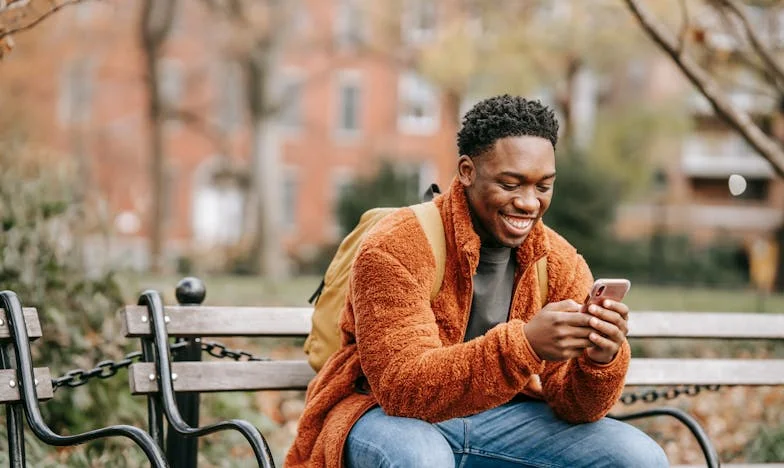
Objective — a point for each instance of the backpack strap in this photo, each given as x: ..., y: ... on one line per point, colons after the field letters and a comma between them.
x: 541, y: 278
x: 431, y: 192
x: 430, y: 219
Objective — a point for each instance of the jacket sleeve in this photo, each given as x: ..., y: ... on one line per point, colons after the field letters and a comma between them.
x: 409, y: 370
x: 579, y: 389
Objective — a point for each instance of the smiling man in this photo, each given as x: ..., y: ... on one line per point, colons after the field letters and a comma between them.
x: 488, y: 373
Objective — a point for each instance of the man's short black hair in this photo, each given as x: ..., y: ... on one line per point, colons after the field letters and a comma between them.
x: 504, y: 116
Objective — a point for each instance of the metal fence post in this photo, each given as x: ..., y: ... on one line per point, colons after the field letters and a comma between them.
x: 182, y: 451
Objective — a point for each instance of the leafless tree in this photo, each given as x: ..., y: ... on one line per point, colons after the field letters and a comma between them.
x: 749, y: 48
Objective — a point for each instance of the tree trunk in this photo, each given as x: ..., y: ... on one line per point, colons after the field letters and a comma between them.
x: 266, y: 241
x: 566, y: 103
x: 157, y: 174
x: 453, y: 101
x: 156, y: 20
x: 266, y: 252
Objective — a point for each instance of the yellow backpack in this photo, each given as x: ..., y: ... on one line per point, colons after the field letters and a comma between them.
x: 330, y: 297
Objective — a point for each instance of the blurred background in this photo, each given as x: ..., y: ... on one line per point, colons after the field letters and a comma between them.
x: 239, y: 141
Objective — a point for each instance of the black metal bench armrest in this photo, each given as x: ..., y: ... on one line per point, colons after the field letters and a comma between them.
x: 24, y: 367
x: 708, y: 450
x: 152, y: 300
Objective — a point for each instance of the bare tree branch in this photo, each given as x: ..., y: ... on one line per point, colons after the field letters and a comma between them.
x: 762, y: 50
x: 18, y: 17
x: 767, y: 147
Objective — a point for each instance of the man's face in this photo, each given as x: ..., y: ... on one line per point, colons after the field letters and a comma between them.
x: 509, y: 188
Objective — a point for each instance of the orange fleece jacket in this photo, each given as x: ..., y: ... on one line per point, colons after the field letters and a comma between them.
x: 412, y: 352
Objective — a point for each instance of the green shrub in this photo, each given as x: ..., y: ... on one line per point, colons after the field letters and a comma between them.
x: 40, y: 260
x: 768, y: 446
x: 389, y: 187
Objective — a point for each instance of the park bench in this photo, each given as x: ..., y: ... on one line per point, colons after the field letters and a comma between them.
x: 22, y: 387
x: 191, y: 321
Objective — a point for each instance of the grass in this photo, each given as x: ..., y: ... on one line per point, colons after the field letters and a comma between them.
x: 645, y: 297
x: 248, y: 291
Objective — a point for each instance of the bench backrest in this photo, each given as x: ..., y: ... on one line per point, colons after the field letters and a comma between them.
x: 195, y: 321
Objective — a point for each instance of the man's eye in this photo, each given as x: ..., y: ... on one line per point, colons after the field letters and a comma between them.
x: 509, y: 187
x: 544, y: 188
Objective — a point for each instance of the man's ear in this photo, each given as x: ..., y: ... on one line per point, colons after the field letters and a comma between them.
x: 466, y: 170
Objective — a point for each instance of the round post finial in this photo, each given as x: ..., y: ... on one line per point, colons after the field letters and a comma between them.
x: 190, y: 291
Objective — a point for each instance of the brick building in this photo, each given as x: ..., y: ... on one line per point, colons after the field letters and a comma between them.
x: 79, y: 79
x: 345, y: 111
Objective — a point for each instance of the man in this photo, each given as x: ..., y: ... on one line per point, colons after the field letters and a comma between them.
x: 482, y: 376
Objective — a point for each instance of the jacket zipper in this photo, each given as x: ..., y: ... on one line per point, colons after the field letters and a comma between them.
x: 517, y: 283
x: 467, y: 312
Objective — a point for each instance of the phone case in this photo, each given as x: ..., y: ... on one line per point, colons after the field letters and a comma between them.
x: 608, y: 288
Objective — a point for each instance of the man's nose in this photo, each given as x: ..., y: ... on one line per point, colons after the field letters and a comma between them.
x: 526, y: 200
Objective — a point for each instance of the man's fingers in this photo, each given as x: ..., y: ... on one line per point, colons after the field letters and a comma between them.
x: 610, y: 316
x: 603, y: 343
x: 610, y: 330
x: 572, y: 319
x: 578, y: 343
x: 618, y: 307
x: 564, y: 306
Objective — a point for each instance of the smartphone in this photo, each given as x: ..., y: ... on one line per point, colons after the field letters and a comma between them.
x: 604, y: 288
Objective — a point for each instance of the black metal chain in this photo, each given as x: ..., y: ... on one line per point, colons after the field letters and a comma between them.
x: 650, y: 396
x: 109, y: 368
x: 220, y: 351
x: 103, y: 370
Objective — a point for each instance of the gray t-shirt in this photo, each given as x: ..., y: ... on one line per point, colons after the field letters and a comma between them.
x: 493, y: 285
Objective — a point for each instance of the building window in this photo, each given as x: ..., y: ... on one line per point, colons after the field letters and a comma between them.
x: 170, y: 82
x: 418, y: 106
x: 76, y: 91
x: 290, y: 192
x: 349, y: 25
x: 715, y: 189
x: 218, y: 206
x: 349, y: 105
x: 230, y: 95
x: 420, y: 18
x: 291, y: 105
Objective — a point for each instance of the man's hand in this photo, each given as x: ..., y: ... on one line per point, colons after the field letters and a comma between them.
x: 559, y: 331
x: 610, y: 327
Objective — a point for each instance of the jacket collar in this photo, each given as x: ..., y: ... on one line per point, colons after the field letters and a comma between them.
x: 467, y: 240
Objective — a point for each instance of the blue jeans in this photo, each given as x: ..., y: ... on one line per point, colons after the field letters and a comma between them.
x: 517, y: 434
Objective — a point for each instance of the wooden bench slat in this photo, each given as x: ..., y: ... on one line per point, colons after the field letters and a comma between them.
x: 221, y: 321
x: 295, y: 321
x: 706, y: 325
x: 9, y: 394
x: 649, y: 371
x: 225, y: 376
x: 31, y: 320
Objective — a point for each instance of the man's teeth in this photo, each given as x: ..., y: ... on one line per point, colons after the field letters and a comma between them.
x: 519, y: 223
